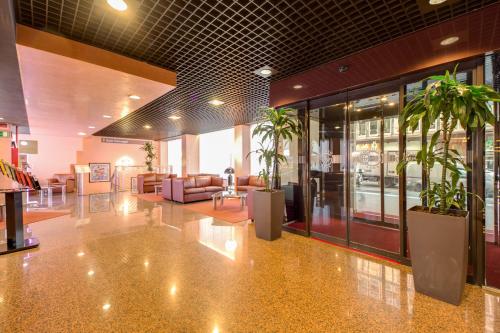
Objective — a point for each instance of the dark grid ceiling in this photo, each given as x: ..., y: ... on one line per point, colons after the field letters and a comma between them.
x: 215, y: 46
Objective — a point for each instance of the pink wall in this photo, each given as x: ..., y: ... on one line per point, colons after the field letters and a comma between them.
x: 56, y: 154
x: 95, y: 151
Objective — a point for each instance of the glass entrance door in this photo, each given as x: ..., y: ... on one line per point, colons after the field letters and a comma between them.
x: 327, y: 147
x: 374, y: 186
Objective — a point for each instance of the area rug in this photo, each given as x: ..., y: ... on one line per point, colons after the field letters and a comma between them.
x: 150, y: 197
x: 231, y: 211
x: 37, y: 216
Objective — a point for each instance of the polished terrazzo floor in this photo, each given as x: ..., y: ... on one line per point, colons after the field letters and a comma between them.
x: 122, y: 264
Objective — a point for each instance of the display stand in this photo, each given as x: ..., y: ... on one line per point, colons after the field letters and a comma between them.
x: 15, y: 226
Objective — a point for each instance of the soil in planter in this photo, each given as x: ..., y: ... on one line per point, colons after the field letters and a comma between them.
x: 450, y: 212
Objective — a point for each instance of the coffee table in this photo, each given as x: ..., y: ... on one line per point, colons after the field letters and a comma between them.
x: 229, y: 194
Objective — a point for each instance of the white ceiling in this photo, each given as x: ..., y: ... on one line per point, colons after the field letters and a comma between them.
x: 65, y: 96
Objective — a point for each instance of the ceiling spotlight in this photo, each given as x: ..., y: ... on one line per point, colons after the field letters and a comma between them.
x: 343, y: 68
x: 174, y: 117
x: 119, y: 5
x: 107, y: 116
x: 106, y: 306
x: 134, y: 97
x: 91, y: 127
x: 298, y: 86
x: 436, y: 2
x: 81, y: 133
x: 265, y: 71
x: 147, y: 126
x: 449, y: 40
x: 216, y: 102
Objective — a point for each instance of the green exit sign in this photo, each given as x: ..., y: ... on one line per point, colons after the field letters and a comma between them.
x: 4, y: 134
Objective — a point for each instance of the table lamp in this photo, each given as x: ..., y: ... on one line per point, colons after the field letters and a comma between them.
x: 229, y: 171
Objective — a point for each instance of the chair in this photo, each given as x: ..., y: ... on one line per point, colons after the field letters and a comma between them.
x: 60, y: 179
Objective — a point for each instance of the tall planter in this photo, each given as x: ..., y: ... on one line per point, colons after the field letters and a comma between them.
x: 439, y: 252
x: 268, y: 212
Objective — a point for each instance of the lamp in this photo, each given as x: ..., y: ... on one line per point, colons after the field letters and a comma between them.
x: 229, y: 171
x: 80, y: 171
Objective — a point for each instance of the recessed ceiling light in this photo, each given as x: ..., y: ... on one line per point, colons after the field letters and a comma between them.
x: 107, y: 116
x: 436, y: 2
x: 91, y: 127
x: 265, y: 71
x: 106, y: 306
x: 24, y: 143
x: 81, y: 133
x: 147, y: 126
x: 298, y: 86
x: 90, y: 273
x: 119, y: 5
x: 174, y: 117
x: 134, y: 97
x: 216, y: 102
x: 449, y: 40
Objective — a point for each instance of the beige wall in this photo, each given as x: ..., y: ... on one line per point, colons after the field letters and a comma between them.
x: 56, y: 154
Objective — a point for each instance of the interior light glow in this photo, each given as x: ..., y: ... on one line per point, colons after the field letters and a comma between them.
x: 107, y: 116
x: 81, y: 133
x: 24, y: 143
x: 90, y: 273
x: 134, y: 97
x: 119, y: 5
x: 392, y: 104
x: 106, y: 306
x: 436, y: 2
x: 266, y: 71
x: 449, y: 41
x: 174, y: 117
x: 91, y: 127
x: 298, y: 86
x: 216, y: 102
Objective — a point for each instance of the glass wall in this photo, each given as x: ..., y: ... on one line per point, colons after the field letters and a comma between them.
x: 216, y: 151
x: 491, y: 185
x: 374, y: 185
x: 174, y: 156
x: 327, y: 168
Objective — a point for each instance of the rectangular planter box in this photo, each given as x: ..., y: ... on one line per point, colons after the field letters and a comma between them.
x: 268, y: 210
x: 439, y: 252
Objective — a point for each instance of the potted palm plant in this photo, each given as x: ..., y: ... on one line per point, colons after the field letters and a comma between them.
x: 269, y: 203
x: 149, y: 148
x: 438, y: 229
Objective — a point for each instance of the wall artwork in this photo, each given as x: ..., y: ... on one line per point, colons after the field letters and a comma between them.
x: 99, y: 172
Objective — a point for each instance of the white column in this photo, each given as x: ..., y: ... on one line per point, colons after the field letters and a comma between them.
x: 241, y: 150
x: 190, y: 154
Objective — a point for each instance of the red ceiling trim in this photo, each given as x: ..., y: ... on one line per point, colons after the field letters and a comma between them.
x: 479, y: 33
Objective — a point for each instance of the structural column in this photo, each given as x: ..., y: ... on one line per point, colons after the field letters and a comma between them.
x: 241, y: 150
x: 190, y: 154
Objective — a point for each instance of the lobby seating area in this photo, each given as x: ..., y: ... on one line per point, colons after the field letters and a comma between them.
x: 60, y: 179
x: 249, y: 183
x: 195, y: 188
x: 146, y: 182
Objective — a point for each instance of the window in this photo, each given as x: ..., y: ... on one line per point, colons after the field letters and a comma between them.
x: 174, y: 156
x: 216, y: 151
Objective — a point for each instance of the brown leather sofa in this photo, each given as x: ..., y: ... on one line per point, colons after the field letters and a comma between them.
x: 249, y: 183
x: 146, y: 182
x: 59, y: 179
x: 195, y: 188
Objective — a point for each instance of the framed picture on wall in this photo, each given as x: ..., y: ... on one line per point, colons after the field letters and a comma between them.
x: 99, y: 172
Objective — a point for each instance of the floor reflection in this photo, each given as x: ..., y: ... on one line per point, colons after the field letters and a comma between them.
x: 117, y: 262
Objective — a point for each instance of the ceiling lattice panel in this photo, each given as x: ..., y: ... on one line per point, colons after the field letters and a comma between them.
x: 215, y: 46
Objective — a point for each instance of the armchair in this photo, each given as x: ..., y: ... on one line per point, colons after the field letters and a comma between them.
x: 67, y: 179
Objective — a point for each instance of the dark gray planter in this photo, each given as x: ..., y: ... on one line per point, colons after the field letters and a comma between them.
x: 438, y: 248
x: 268, y: 213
